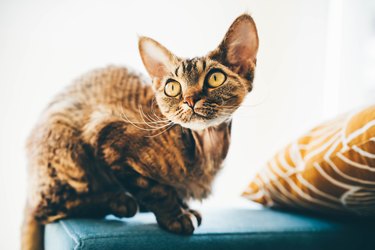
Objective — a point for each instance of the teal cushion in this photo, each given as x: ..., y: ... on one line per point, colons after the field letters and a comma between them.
x: 221, y: 229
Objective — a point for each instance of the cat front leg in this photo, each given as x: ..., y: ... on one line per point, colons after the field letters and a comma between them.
x: 171, y: 213
x: 122, y: 204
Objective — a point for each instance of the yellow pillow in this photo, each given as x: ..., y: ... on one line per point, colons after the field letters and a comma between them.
x: 329, y: 169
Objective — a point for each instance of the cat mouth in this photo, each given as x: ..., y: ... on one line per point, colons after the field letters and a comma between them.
x: 199, y: 113
x: 195, y: 115
x: 198, y: 119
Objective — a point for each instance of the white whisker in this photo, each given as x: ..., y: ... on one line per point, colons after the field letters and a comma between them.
x: 165, y: 130
x: 153, y: 110
x: 142, y: 115
x: 126, y: 119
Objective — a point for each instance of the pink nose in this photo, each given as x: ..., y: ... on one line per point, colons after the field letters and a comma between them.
x: 190, y: 101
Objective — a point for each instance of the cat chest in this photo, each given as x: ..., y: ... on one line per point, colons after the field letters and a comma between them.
x: 191, y: 175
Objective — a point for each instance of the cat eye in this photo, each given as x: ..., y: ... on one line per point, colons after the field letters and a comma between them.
x: 172, y: 88
x: 216, y: 78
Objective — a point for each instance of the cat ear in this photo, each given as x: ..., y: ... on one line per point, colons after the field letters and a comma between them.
x: 239, y: 48
x: 157, y: 59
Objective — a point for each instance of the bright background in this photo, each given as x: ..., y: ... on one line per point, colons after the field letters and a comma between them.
x: 316, y: 59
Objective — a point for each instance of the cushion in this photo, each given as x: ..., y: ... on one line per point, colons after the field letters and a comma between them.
x: 330, y: 169
x: 221, y: 229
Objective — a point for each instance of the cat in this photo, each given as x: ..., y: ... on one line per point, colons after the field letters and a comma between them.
x: 111, y: 143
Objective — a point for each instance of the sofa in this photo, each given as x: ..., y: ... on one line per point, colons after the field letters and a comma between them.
x: 235, y: 228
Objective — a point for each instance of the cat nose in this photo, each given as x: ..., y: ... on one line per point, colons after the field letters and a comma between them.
x: 190, y: 100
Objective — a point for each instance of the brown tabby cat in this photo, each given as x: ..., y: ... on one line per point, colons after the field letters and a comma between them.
x: 111, y: 142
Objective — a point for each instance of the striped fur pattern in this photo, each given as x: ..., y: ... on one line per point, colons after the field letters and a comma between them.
x: 331, y: 169
x: 112, y: 142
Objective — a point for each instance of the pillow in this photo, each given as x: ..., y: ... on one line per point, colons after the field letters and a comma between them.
x: 330, y: 169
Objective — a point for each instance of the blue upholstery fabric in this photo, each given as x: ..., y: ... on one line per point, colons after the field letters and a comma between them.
x: 221, y: 229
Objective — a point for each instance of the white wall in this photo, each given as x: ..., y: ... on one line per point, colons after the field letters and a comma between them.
x: 45, y: 44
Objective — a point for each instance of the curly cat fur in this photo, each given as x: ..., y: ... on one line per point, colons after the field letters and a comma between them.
x: 99, y: 146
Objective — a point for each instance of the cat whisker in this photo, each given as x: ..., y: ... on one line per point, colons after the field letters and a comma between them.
x: 126, y: 119
x: 146, y: 129
x: 153, y: 102
x: 153, y: 129
x: 144, y: 123
x: 142, y: 114
x: 140, y: 122
x: 122, y: 115
x: 153, y: 110
x: 165, y: 130
x: 149, y: 117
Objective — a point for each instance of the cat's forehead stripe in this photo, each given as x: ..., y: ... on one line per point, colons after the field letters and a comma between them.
x: 191, y: 71
x: 183, y: 67
x: 176, y: 71
x: 191, y: 68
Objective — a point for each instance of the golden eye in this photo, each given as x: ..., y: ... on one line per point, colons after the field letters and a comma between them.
x: 172, y: 88
x: 216, y: 78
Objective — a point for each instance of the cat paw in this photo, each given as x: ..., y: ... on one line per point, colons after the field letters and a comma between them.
x: 197, y: 215
x: 184, y: 223
x: 123, y: 205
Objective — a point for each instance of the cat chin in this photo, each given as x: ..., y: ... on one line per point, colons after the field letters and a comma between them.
x: 204, y: 124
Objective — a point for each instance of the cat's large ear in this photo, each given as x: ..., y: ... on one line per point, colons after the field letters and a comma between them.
x: 239, y: 48
x: 157, y: 59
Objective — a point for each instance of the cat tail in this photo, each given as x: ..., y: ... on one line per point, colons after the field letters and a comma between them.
x: 32, y: 232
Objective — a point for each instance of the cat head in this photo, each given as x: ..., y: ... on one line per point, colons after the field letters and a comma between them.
x: 204, y: 91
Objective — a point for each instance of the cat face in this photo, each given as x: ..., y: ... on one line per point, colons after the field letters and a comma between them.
x: 200, y: 92
x: 205, y: 91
